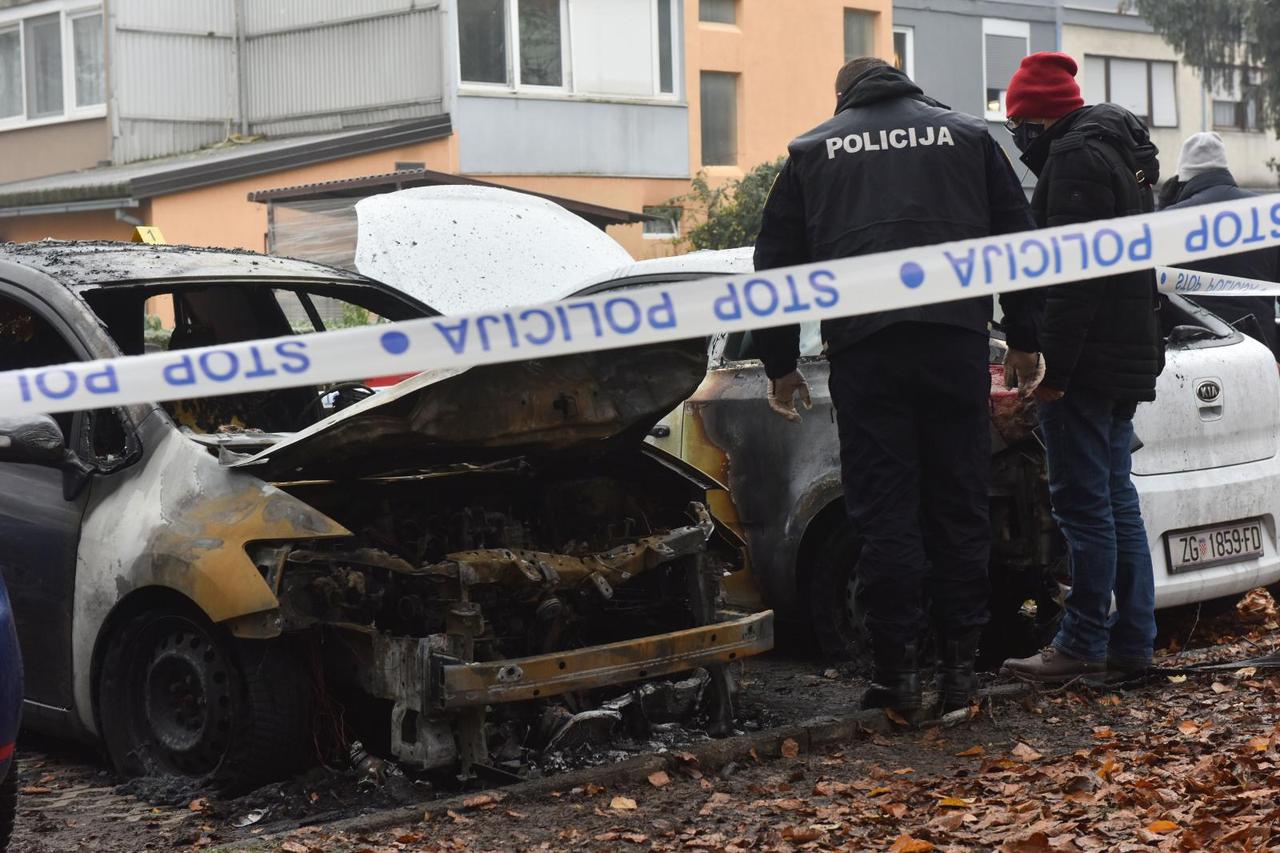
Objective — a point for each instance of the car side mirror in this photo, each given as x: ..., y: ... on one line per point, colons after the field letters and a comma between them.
x: 33, y: 440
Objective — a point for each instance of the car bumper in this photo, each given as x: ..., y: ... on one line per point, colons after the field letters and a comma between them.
x: 1172, y: 502
x: 519, y: 679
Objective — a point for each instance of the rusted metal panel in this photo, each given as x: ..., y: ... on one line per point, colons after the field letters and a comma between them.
x: 520, y: 679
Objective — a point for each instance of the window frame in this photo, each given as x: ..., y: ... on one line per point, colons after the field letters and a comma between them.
x: 867, y: 14
x: 1011, y: 29
x: 1241, y: 105
x: 1108, y: 58
x: 736, y: 13
x: 673, y: 218
x: 909, y: 60
x: 735, y: 135
x: 15, y: 18
x: 569, y: 89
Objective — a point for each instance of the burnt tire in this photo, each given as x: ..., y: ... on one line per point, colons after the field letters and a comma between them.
x: 178, y: 697
x: 834, y: 609
x: 8, y: 803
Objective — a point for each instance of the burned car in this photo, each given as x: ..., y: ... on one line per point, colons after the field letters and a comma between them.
x: 1206, y: 474
x: 453, y: 570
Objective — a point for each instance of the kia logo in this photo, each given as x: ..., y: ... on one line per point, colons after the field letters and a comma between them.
x: 1208, y: 391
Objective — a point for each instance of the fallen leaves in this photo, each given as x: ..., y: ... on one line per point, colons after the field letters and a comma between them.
x: 1161, y: 826
x: 622, y: 804
x: 906, y: 844
x: 659, y: 778
x: 1023, y: 752
x: 971, y: 752
x: 488, y: 798
x: 789, y: 748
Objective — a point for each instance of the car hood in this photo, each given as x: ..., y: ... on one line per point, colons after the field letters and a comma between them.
x: 574, y: 403
x: 462, y: 249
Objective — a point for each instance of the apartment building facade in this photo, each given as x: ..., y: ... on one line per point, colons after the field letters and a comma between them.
x: 114, y: 112
x: 963, y: 52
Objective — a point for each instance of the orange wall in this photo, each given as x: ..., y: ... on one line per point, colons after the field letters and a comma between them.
x: 222, y: 215
x: 787, y: 55
x: 90, y: 225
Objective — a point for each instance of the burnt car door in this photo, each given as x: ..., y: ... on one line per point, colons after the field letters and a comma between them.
x: 39, y: 525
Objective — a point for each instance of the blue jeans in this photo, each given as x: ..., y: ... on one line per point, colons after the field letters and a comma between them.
x: 1087, y: 439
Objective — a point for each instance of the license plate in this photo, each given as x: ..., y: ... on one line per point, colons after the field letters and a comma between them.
x: 1212, y: 546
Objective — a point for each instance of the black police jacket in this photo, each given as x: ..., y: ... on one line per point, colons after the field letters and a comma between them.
x: 1253, y: 315
x: 1101, y: 334
x: 891, y: 170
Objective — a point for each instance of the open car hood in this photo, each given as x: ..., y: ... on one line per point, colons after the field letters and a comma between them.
x: 461, y: 249
x: 585, y: 401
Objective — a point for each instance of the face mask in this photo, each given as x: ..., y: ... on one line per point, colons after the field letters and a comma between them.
x: 1025, y: 134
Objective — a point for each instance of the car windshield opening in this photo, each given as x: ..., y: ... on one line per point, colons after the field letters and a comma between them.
x: 173, y: 317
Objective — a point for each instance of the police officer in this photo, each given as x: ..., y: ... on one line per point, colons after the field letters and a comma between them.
x: 894, y: 169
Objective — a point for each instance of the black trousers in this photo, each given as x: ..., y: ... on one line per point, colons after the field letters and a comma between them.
x: 913, y: 407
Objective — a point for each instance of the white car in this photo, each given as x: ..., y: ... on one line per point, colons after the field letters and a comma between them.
x: 1208, y: 474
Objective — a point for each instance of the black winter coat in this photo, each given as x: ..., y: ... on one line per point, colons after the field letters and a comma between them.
x: 891, y: 170
x: 1101, y: 334
x: 1264, y: 264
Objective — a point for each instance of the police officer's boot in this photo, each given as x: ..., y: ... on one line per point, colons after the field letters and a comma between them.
x: 957, y: 682
x: 896, y: 681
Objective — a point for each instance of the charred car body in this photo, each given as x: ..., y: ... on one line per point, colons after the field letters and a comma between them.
x: 1208, y: 471
x: 208, y: 583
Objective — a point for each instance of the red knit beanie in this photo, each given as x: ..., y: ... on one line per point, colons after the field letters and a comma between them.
x: 1044, y: 86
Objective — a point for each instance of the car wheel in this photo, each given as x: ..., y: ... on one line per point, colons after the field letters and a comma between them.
x: 837, y: 614
x: 177, y: 697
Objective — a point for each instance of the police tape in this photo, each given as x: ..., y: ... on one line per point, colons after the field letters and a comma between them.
x: 1199, y: 283
x: 907, y: 278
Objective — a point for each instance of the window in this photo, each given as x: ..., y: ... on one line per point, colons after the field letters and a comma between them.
x: 541, y: 45
x: 10, y: 73
x: 87, y: 43
x: 1004, y: 44
x: 51, y: 66
x: 1144, y: 88
x: 42, y: 39
x: 665, y: 226
x: 904, y: 50
x: 1235, y: 100
x: 717, y: 11
x: 719, y: 119
x: 666, y: 38
x: 622, y: 47
x: 859, y: 34
x: 482, y: 41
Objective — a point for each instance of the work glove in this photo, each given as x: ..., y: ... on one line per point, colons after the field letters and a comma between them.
x: 1023, y: 370
x: 782, y: 395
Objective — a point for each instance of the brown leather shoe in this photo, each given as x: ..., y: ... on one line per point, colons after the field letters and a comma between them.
x: 1052, y: 666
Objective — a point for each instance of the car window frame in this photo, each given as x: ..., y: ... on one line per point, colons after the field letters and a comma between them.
x: 79, y: 441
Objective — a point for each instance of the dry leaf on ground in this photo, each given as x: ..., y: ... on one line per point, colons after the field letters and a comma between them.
x: 1023, y: 752
x: 622, y: 804
x: 790, y: 749
x: 659, y: 779
x: 906, y: 844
